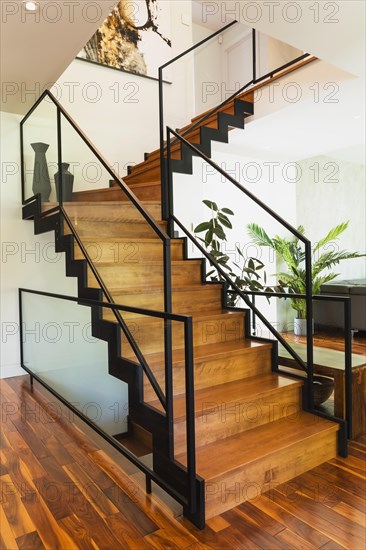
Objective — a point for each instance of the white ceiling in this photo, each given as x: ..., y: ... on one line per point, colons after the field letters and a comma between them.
x: 333, y: 31
x: 36, y: 48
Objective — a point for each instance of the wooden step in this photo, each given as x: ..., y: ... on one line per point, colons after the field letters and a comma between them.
x: 136, y: 275
x: 186, y: 300
x: 128, y: 228
x: 144, y: 191
x: 214, y: 364
x: 225, y: 410
x: 116, y: 250
x: 144, y: 173
x: 208, y: 328
x: 245, y: 465
x: 103, y: 194
x: 110, y: 210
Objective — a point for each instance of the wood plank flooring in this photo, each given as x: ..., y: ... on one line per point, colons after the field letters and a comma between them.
x: 63, y: 488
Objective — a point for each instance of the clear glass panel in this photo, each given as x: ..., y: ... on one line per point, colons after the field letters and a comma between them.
x: 82, y: 170
x: 40, y: 153
x: 125, y: 250
x: 230, y: 226
x: 272, y: 54
x: 61, y: 347
x: 219, y: 68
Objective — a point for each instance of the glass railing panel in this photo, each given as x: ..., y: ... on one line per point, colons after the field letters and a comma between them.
x: 244, y: 239
x: 63, y: 347
x: 60, y: 347
x: 273, y: 53
x: 40, y: 153
x: 220, y: 68
x: 124, y: 247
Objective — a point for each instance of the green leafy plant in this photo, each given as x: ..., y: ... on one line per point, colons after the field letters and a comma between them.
x: 292, y: 253
x: 248, y: 272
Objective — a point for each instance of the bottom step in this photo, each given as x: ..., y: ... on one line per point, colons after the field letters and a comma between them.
x: 243, y: 466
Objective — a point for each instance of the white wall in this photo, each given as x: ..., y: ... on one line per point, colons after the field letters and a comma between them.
x: 330, y: 191
x: 119, y: 111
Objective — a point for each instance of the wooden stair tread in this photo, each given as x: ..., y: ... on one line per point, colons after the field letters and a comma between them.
x: 116, y: 239
x: 158, y: 289
x: 197, y: 316
x: 237, y: 391
x: 152, y: 263
x: 237, y: 451
x: 121, y: 219
x: 106, y: 203
x: 221, y: 349
x: 137, y: 184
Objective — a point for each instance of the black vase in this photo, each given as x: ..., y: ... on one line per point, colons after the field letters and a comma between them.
x: 67, y: 182
x: 41, y: 177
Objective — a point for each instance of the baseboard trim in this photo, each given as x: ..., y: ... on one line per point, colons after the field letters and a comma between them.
x: 8, y: 371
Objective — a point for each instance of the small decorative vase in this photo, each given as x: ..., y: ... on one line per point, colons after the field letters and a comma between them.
x: 300, y: 327
x: 323, y: 387
x: 41, y: 177
x: 67, y: 179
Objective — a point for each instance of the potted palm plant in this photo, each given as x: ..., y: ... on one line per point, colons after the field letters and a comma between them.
x: 292, y: 253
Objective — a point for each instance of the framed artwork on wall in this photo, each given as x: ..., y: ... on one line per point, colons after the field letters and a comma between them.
x: 134, y: 38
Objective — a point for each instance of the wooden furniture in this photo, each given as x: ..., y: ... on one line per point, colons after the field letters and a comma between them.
x: 331, y: 363
x: 330, y: 314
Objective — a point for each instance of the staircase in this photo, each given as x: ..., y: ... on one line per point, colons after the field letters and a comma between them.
x: 251, y: 429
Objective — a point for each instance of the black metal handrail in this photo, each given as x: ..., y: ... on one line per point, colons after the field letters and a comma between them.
x: 308, y: 367
x: 188, y: 338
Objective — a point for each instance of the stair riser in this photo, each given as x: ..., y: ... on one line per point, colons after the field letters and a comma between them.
x: 109, y: 212
x: 184, y: 302
x: 149, y: 336
x: 215, y: 371
x: 129, y: 252
x: 150, y: 192
x: 193, y: 137
x: 126, y: 229
x: 133, y: 275
x: 145, y: 174
x: 263, y: 474
x: 220, y: 420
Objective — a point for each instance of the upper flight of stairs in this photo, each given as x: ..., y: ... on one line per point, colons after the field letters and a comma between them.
x: 251, y: 429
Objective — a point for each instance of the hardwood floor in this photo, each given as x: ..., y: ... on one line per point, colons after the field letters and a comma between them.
x: 61, y: 490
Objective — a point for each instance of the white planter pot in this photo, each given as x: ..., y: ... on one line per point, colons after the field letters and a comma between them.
x: 300, y: 327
